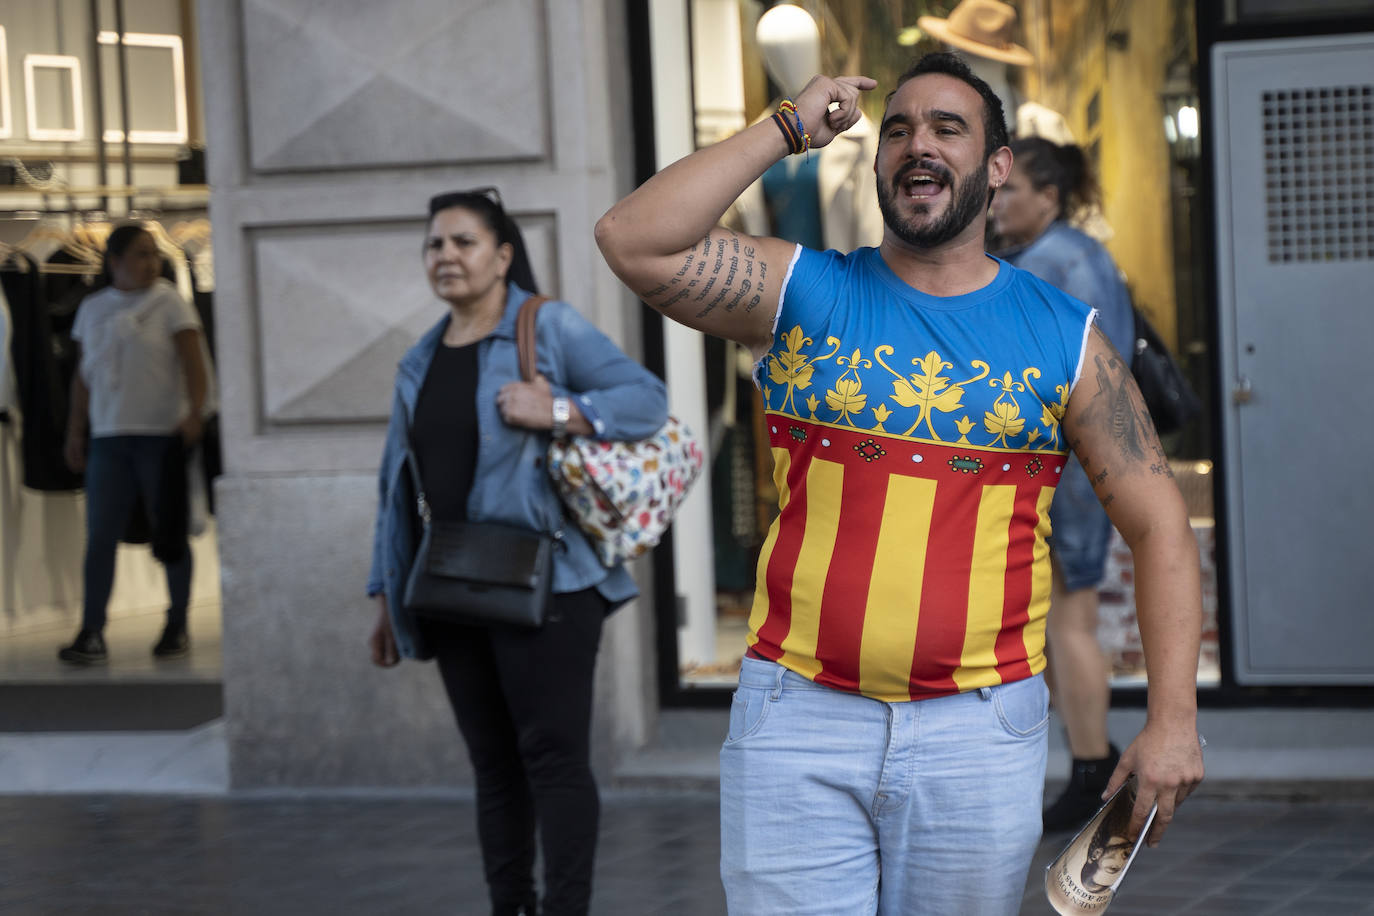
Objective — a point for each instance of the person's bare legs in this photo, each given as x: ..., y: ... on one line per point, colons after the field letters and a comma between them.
x: 1079, y: 688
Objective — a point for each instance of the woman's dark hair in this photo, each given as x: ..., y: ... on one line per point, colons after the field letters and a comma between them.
x: 486, y: 204
x: 121, y: 237
x: 1063, y: 167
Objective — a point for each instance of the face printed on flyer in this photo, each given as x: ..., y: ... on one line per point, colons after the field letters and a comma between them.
x: 1087, y: 874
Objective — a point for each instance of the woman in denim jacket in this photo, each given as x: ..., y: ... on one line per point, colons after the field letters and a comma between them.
x: 522, y: 698
x: 1048, y: 185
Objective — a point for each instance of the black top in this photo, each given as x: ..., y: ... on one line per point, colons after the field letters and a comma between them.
x: 444, y: 434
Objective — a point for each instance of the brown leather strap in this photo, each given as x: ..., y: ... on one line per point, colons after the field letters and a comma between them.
x: 525, y: 337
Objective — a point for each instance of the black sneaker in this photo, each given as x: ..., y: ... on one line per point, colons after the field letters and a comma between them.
x: 87, y: 649
x: 1083, y: 795
x: 173, y: 644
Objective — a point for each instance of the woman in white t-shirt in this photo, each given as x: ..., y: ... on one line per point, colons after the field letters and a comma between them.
x: 138, y: 395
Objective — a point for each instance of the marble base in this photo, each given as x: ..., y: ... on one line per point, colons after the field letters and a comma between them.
x: 305, y: 705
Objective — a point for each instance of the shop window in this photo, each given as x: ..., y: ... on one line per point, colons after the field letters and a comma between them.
x: 1124, y: 126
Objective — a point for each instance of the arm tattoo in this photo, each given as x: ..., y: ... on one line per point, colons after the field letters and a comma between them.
x: 1123, y: 415
x: 718, y: 270
x: 654, y: 296
x: 1121, y: 412
x: 1114, y: 407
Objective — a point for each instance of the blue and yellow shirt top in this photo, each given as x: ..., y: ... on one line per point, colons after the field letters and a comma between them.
x: 916, y: 446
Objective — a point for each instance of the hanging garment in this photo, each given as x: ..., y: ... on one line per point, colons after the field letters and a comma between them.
x: 39, y: 387
x: 6, y: 364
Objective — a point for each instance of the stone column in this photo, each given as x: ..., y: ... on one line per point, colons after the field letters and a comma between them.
x: 330, y: 126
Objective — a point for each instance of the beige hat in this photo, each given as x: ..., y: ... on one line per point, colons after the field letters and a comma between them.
x: 981, y: 27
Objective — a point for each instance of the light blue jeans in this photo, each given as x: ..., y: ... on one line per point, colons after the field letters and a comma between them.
x: 834, y: 804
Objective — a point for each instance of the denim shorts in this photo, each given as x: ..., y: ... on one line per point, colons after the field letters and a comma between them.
x: 834, y: 804
x: 1081, y: 529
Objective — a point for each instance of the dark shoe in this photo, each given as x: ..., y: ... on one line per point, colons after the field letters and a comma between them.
x: 1083, y: 795
x: 173, y: 644
x: 87, y: 649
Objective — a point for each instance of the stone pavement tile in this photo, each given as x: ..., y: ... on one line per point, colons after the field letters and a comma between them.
x: 658, y: 855
x: 1220, y: 905
x: 1144, y: 905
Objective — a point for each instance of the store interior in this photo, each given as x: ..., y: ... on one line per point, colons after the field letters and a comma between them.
x: 101, y: 124
x: 1116, y: 77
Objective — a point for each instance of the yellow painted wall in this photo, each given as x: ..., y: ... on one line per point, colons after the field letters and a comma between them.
x: 1117, y: 49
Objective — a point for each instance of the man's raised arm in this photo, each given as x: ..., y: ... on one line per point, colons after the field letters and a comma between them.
x: 664, y: 243
x: 1110, y: 431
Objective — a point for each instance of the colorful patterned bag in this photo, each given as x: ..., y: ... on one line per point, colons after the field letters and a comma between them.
x: 621, y: 494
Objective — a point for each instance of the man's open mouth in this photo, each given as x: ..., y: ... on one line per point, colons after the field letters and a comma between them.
x: 922, y: 183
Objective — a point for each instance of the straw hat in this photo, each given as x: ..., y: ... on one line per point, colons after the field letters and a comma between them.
x: 981, y: 27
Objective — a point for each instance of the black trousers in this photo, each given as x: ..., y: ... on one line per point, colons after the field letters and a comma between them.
x: 523, y: 701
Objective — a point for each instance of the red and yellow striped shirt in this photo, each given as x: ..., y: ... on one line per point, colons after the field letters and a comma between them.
x: 911, y: 564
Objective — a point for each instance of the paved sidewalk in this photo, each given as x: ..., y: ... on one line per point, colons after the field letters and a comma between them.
x: 300, y: 855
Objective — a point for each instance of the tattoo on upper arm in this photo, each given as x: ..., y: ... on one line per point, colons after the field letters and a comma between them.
x: 1119, y: 410
x: 719, y: 270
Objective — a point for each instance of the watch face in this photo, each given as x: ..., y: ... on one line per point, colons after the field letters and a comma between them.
x: 562, y: 412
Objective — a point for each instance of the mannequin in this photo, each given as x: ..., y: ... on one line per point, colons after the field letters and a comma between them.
x: 982, y: 30
x: 824, y: 199
x: 791, y: 46
x: 1036, y: 120
x: 997, y: 75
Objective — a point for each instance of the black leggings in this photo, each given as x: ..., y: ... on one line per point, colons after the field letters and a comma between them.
x: 523, y: 701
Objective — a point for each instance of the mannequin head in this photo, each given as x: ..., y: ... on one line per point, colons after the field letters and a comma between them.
x: 790, y: 44
x: 982, y: 30
x: 994, y: 73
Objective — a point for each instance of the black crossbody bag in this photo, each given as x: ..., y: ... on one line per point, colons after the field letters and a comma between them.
x: 1171, y: 401
x: 477, y: 572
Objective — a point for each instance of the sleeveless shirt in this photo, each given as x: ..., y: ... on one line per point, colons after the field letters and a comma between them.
x: 916, y: 448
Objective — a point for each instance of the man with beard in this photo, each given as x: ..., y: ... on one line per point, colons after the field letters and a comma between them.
x: 887, y: 743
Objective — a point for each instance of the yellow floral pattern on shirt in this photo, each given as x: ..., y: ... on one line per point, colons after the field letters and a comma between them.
x: 926, y: 402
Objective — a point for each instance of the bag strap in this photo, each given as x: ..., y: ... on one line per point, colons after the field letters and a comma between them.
x: 525, y: 340
x: 412, y: 464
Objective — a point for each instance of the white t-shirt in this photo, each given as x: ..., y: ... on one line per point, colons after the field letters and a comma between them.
x: 129, y: 359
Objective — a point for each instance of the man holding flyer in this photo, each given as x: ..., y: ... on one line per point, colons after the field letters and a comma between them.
x: 888, y: 737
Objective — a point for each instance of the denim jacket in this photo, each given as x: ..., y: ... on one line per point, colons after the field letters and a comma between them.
x: 620, y: 398
x: 1077, y: 264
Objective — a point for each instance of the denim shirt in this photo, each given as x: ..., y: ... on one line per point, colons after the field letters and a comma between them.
x: 620, y: 398
x: 1077, y: 264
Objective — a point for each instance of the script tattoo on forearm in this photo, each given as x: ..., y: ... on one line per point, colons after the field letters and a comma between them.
x: 719, y: 270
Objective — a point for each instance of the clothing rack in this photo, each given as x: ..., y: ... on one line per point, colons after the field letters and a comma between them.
x: 143, y: 203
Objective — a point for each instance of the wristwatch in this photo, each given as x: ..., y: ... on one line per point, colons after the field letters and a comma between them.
x: 562, y: 411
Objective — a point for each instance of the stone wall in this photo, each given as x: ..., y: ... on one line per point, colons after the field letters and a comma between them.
x: 329, y: 127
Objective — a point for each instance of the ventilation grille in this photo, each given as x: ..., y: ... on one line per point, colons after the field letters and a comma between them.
x: 1319, y: 173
